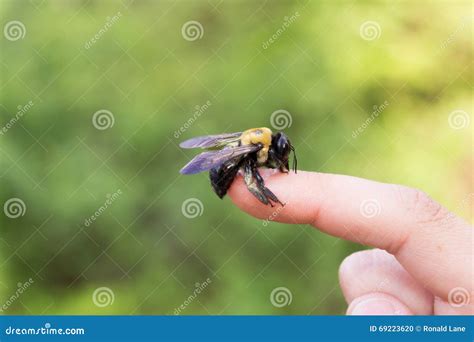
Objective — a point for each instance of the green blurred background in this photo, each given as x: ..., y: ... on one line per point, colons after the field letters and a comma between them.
x: 328, y: 64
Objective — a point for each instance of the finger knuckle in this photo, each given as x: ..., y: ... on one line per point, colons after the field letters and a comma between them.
x: 421, y: 206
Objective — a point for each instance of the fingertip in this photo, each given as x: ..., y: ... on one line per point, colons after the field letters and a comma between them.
x: 299, y: 193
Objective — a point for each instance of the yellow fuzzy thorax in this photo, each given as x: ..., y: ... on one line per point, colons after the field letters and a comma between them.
x: 262, y: 135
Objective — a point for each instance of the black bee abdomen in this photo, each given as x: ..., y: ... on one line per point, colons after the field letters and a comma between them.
x: 221, y: 177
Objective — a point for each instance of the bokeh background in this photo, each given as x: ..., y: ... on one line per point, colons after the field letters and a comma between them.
x: 381, y: 90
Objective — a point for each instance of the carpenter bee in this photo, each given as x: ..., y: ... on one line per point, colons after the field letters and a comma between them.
x: 246, y: 151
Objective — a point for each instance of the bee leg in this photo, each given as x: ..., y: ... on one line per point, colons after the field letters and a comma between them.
x: 268, y: 193
x: 256, y: 184
x: 252, y: 183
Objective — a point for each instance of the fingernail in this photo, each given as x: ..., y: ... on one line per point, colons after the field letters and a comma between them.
x: 374, y: 306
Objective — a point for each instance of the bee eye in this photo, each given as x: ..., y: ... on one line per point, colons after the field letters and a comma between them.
x: 282, y: 144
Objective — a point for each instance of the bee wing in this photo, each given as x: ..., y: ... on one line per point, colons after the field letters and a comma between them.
x: 211, y: 140
x: 210, y: 159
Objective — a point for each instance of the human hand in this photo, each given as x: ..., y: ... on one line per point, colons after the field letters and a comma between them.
x: 424, y: 261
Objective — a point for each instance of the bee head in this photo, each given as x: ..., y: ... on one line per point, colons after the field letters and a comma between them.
x: 280, y: 150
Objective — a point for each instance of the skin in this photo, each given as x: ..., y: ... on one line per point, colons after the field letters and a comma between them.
x: 423, y: 252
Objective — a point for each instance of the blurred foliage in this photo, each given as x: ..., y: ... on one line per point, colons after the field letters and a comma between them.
x: 141, y: 69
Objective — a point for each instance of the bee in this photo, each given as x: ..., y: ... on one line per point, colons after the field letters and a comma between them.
x: 246, y: 151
